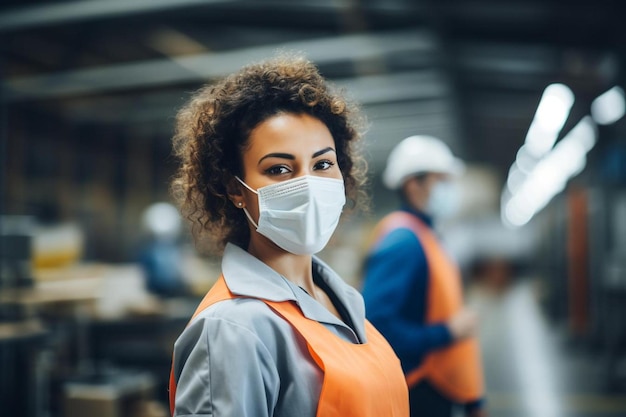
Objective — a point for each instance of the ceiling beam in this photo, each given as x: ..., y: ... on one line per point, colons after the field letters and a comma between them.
x: 78, y: 11
x: 387, y: 97
x: 86, y: 10
x: 382, y: 89
x: 203, y: 67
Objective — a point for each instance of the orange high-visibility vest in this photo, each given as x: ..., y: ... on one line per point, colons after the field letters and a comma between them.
x: 360, y: 380
x: 456, y: 371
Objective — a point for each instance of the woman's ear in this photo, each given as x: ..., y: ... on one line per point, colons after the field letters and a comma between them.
x: 233, y: 188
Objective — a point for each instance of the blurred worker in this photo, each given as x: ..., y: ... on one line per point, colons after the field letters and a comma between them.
x: 413, y: 290
x: 161, y: 254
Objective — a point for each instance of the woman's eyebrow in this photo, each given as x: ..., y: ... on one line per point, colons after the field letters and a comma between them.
x: 278, y: 155
x: 292, y: 157
x: 323, y: 151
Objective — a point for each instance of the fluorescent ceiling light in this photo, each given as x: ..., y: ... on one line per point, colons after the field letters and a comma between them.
x: 609, y: 107
x: 549, y: 177
x: 524, y: 160
x: 552, y: 112
x: 515, y: 179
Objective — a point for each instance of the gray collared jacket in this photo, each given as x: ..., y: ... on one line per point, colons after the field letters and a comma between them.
x: 238, y: 358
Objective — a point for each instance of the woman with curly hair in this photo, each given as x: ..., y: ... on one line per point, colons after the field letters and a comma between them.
x: 268, y: 161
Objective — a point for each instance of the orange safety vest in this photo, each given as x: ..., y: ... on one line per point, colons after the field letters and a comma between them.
x: 363, y: 380
x: 456, y: 371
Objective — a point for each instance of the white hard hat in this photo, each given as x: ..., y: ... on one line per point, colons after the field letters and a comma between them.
x: 417, y: 154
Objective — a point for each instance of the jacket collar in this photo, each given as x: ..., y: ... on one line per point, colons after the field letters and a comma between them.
x: 248, y: 276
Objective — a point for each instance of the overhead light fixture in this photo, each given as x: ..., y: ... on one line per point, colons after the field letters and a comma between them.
x: 609, y: 107
x: 536, y: 176
x: 550, y: 175
x: 552, y: 113
x: 515, y: 179
x: 524, y: 159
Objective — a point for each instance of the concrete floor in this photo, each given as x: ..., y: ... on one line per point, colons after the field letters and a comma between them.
x: 529, y: 370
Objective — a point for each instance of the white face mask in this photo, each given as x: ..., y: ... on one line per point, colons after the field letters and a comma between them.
x: 443, y: 201
x: 301, y: 214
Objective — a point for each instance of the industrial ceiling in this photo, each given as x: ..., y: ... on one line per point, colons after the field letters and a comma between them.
x: 469, y: 71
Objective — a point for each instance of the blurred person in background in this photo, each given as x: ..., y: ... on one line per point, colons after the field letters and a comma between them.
x: 161, y: 253
x: 267, y: 164
x: 413, y: 289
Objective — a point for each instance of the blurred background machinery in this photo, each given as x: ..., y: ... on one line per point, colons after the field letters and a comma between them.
x: 529, y: 93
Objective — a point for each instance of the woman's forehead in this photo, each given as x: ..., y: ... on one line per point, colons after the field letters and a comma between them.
x: 289, y: 133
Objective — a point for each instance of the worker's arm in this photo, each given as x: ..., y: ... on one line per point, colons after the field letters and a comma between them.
x: 395, y: 291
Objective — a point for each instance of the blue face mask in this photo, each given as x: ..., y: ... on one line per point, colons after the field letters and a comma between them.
x: 443, y: 201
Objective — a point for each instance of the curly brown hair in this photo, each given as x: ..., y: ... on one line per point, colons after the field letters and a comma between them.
x: 213, y: 129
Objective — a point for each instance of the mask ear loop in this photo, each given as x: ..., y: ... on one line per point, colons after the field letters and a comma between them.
x: 246, y: 185
x: 245, y: 210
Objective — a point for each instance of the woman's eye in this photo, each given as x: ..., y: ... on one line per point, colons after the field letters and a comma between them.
x: 277, y: 170
x: 324, y: 165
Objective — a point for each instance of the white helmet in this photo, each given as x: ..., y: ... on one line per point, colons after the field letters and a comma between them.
x: 417, y: 154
